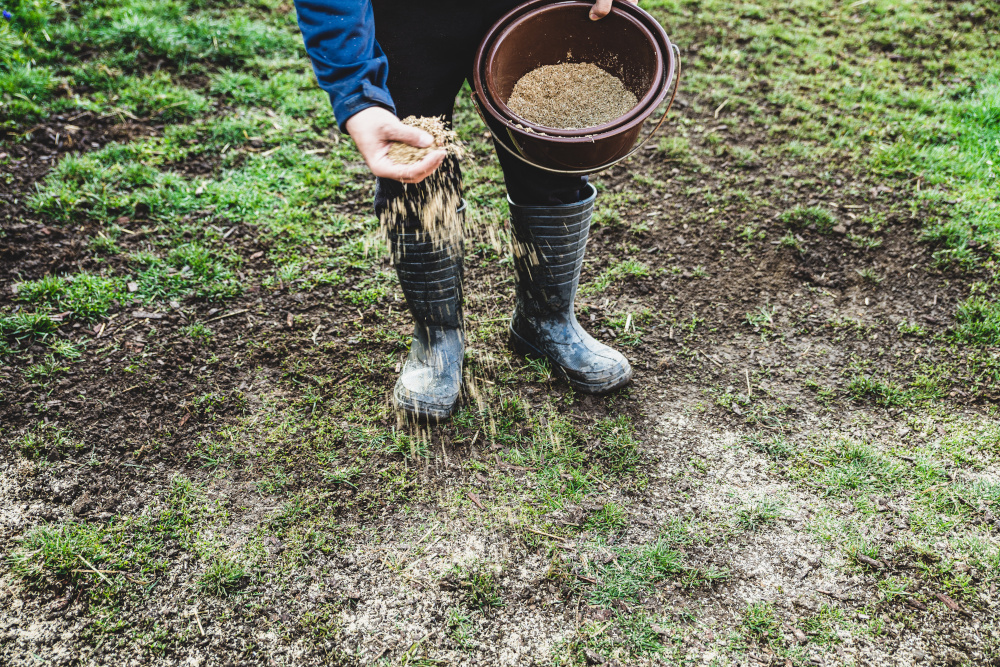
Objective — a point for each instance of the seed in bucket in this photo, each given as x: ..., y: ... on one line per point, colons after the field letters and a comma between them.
x: 401, y: 153
x: 570, y: 96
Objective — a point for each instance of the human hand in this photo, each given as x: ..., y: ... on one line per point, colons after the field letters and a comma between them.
x: 375, y: 129
x: 602, y: 7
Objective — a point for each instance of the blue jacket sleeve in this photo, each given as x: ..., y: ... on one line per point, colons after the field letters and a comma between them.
x: 350, y: 65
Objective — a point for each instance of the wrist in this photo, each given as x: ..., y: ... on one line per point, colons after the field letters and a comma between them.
x: 361, y: 113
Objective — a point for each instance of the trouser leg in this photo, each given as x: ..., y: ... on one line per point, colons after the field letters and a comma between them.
x: 431, y: 47
x: 530, y: 186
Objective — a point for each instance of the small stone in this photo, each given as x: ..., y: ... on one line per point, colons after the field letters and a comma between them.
x: 81, y: 505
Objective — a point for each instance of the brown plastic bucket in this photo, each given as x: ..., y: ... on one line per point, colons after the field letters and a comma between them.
x: 629, y: 43
x: 529, y: 42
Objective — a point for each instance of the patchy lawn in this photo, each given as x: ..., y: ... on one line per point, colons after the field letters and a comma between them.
x: 200, y: 330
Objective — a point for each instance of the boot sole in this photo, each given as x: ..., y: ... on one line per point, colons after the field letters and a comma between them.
x: 423, y: 413
x: 524, y: 348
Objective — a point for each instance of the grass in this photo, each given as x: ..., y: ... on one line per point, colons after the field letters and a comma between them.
x: 882, y: 392
x: 43, y: 371
x: 761, y: 623
x: 776, y: 446
x: 87, y: 296
x: 812, y: 216
x: 865, y: 82
x: 129, y: 36
x: 674, y: 149
x: 50, y: 442
x: 626, y: 636
x: 50, y: 555
x: 632, y: 572
x: 628, y: 269
x: 978, y: 321
x: 822, y: 626
x: 758, y: 514
x: 480, y: 586
x: 609, y: 518
x: 763, y: 318
x: 198, y: 331
x: 222, y: 577
x: 27, y: 326
x: 460, y: 628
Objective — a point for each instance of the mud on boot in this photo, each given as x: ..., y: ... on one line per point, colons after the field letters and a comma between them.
x: 549, y: 244
x: 430, y: 274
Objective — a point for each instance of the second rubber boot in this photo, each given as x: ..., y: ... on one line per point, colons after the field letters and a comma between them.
x: 430, y: 274
x: 549, y: 244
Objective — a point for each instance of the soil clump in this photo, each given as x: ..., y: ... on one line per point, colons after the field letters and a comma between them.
x: 570, y: 96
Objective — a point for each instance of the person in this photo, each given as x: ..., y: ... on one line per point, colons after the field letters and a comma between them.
x: 388, y: 59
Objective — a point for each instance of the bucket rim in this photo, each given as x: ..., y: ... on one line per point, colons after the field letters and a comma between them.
x: 627, y: 121
x: 641, y: 104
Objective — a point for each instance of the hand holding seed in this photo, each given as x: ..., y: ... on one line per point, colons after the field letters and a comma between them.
x: 376, y: 130
x: 601, y: 8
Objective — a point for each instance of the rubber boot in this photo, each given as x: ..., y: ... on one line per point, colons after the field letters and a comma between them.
x: 430, y: 274
x: 549, y: 244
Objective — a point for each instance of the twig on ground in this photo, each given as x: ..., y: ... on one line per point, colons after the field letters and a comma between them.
x: 951, y: 604
x: 835, y: 595
x: 598, y: 480
x: 711, y: 359
x: 540, y: 532
x: 198, y: 618
x: 871, y: 562
x: 474, y: 498
x: 222, y: 317
x: 93, y: 569
x: 87, y: 569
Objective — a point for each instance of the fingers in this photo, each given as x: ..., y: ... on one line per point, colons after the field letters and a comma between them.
x: 409, y: 173
x: 408, y: 135
x: 600, y: 9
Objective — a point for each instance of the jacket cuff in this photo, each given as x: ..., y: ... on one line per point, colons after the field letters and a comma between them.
x: 370, y: 96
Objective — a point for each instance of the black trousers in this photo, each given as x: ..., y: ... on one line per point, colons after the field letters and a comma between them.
x: 431, y: 45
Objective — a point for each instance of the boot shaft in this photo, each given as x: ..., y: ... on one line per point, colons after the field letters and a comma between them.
x: 430, y: 274
x: 549, y: 243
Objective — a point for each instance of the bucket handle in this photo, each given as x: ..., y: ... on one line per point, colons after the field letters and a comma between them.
x: 582, y: 172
